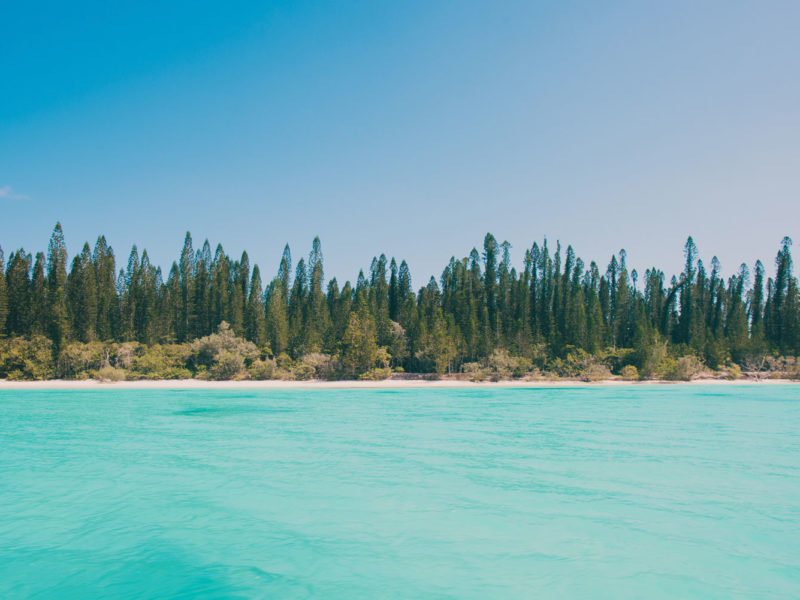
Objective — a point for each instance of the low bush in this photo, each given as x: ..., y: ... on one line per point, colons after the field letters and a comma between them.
x: 595, y: 372
x: 322, y: 366
x: 501, y: 365
x: 629, y: 373
x: 160, y: 362
x: 684, y: 368
x: 303, y: 371
x: 262, y: 369
x: 110, y: 374
x: 617, y: 359
x: 376, y: 374
x: 226, y: 365
x: 733, y: 371
x: 223, y: 353
x: 475, y: 371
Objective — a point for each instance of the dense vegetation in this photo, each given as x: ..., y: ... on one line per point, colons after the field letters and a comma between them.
x: 557, y: 316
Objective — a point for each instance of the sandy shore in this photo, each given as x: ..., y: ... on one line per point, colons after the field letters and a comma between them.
x: 63, y: 384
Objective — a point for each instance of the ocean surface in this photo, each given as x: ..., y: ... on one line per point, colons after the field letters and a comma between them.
x: 610, y: 492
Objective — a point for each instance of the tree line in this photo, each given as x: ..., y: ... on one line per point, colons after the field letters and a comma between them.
x: 482, y: 311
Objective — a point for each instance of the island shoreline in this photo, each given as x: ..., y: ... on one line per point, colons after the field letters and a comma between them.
x: 395, y: 384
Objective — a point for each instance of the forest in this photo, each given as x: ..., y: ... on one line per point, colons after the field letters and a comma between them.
x: 213, y: 317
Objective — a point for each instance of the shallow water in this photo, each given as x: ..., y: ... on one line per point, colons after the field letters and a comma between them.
x: 657, y: 492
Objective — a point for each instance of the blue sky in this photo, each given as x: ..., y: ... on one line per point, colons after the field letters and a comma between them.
x: 409, y: 128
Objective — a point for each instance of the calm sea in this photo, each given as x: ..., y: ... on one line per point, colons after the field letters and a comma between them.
x: 656, y: 492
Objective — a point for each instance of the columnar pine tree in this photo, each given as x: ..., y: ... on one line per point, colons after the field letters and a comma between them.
x: 57, y: 317
x: 3, y: 293
x: 82, y: 296
x: 318, y: 314
x: 186, y: 269
x: 255, y: 318
x: 38, y: 314
x: 107, y: 321
x: 18, y: 284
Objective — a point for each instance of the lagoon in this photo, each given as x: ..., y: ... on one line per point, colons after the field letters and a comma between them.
x: 684, y: 491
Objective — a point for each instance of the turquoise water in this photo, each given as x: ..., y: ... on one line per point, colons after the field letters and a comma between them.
x: 657, y: 492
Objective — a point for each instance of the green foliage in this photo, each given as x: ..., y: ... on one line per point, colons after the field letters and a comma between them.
x: 579, y: 364
x: 78, y: 360
x: 3, y: 293
x: 733, y: 371
x: 376, y: 374
x: 226, y: 365
x: 501, y: 365
x: 124, y: 354
x: 22, y: 358
x: 322, y: 365
x: 617, y: 359
x: 57, y: 316
x: 475, y: 371
x: 359, y: 344
x: 482, y: 316
x: 110, y: 374
x: 262, y: 369
x: 315, y: 365
x: 156, y: 362
x: 653, y: 361
x: 303, y: 371
x: 223, y: 353
x: 684, y: 368
x: 595, y: 372
x: 629, y: 373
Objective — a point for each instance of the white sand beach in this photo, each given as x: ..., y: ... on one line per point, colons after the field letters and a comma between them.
x: 350, y: 384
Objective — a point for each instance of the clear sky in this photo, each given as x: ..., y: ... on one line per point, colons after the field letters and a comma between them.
x: 409, y: 128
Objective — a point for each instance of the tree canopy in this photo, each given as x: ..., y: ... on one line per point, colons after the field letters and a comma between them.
x: 551, y: 307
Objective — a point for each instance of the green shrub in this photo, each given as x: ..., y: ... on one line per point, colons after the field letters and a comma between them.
x: 22, y: 358
x: 733, y: 371
x: 375, y: 374
x: 206, y: 349
x: 110, y: 374
x: 77, y: 360
x: 522, y: 367
x: 284, y: 361
x: 262, y: 369
x: 223, y: 353
x: 501, y: 365
x: 479, y: 375
x: 125, y: 353
x: 161, y: 362
x: 629, y: 373
x: 322, y: 366
x: 284, y: 374
x: 617, y: 359
x: 595, y: 372
x: 665, y: 370
x: 475, y: 371
x: 684, y: 368
x: 227, y: 365
x: 656, y: 362
x: 303, y: 371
